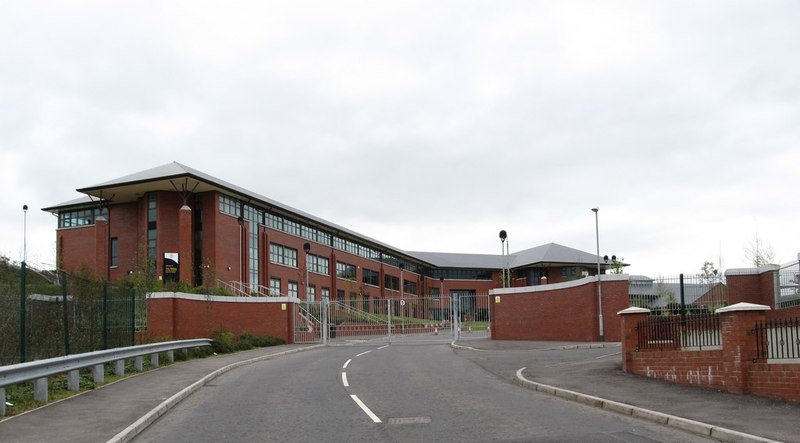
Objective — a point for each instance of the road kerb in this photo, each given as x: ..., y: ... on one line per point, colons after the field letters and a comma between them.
x: 695, y: 427
x: 140, y: 425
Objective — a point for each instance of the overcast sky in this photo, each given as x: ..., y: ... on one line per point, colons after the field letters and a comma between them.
x: 427, y: 125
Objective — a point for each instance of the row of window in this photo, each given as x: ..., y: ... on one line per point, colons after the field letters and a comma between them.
x: 287, y: 256
x: 80, y: 217
x: 237, y: 208
x: 291, y: 289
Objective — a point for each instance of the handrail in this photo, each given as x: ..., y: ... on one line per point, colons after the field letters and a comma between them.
x: 39, y: 370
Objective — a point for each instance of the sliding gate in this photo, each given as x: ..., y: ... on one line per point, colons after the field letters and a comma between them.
x: 362, y: 319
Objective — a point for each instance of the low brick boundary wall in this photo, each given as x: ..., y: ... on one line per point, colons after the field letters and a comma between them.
x: 731, y: 369
x: 184, y: 316
x: 561, y: 311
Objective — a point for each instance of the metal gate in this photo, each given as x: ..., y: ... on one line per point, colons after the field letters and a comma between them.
x: 363, y: 319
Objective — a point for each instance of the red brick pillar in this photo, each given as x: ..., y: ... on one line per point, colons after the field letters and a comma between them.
x: 738, y: 343
x: 629, y: 320
x: 751, y: 285
x: 101, y: 247
x: 185, y: 261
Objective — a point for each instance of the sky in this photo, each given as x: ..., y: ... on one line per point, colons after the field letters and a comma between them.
x: 427, y: 125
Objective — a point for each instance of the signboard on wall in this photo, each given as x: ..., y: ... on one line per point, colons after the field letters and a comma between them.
x: 171, y: 266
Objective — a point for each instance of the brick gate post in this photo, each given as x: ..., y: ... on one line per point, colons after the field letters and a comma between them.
x: 629, y: 319
x: 738, y: 343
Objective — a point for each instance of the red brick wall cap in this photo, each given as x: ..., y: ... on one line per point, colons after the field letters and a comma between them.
x: 634, y: 310
x: 743, y: 307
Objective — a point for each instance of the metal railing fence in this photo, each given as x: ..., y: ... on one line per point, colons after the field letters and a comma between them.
x: 79, y: 315
x: 787, y: 293
x: 684, y: 294
x: 693, y: 332
x: 778, y: 339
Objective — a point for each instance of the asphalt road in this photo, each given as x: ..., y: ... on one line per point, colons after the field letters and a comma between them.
x: 387, y: 393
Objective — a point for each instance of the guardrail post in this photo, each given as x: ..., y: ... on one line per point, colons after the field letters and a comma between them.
x: 138, y: 363
x: 171, y: 356
x: 119, y: 367
x: 2, y: 402
x: 98, y: 374
x: 154, y: 359
x: 73, y: 380
x: 40, y: 389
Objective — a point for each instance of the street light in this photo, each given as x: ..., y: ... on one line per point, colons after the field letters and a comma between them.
x: 599, y: 290
x: 22, y: 284
x: 504, y: 251
x: 24, y: 233
x: 307, y: 248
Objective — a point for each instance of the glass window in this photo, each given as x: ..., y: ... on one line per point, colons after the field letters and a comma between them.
x: 311, y: 294
x: 317, y: 264
x: 275, y: 287
x: 282, y: 255
x: 345, y: 271
x: 370, y: 277
x: 391, y: 282
x: 292, y: 289
x: 114, y: 251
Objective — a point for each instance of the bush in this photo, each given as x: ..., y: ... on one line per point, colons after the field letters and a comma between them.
x: 224, y: 342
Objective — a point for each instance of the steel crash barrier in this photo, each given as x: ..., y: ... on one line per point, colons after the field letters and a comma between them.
x: 38, y: 371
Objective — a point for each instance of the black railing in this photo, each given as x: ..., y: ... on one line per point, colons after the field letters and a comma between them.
x: 778, y: 339
x: 673, y: 332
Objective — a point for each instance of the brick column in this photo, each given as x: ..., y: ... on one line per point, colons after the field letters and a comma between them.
x: 185, y: 261
x: 629, y: 319
x: 738, y: 343
x: 751, y: 285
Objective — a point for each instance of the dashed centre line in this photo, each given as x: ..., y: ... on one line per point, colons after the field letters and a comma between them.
x: 365, y: 409
x: 355, y: 398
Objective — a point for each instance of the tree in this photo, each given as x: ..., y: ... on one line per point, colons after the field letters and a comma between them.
x: 759, y: 253
x: 618, y: 265
x: 709, y: 273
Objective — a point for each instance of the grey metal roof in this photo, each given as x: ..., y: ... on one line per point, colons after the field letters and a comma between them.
x: 548, y: 254
x: 178, y: 177
x: 454, y: 260
x: 553, y: 253
x: 81, y: 201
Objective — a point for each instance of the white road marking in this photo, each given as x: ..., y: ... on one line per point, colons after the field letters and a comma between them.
x: 384, y: 346
x: 346, y: 363
x: 365, y: 409
x: 344, y: 380
x: 363, y: 353
x: 608, y: 355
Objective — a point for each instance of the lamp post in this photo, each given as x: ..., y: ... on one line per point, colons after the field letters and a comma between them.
x: 24, y: 233
x: 504, y: 252
x: 307, y: 249
x: 599, y: 289
x: 23, y: 275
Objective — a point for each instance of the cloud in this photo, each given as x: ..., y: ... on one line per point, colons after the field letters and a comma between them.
x: 425, y: 126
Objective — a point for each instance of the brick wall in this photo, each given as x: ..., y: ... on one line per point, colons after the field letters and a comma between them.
x: 184, y: 316
x: 564, y: 311
x: 730, y: 368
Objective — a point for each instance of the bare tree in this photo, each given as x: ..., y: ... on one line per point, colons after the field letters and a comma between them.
x: 759, y: 252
